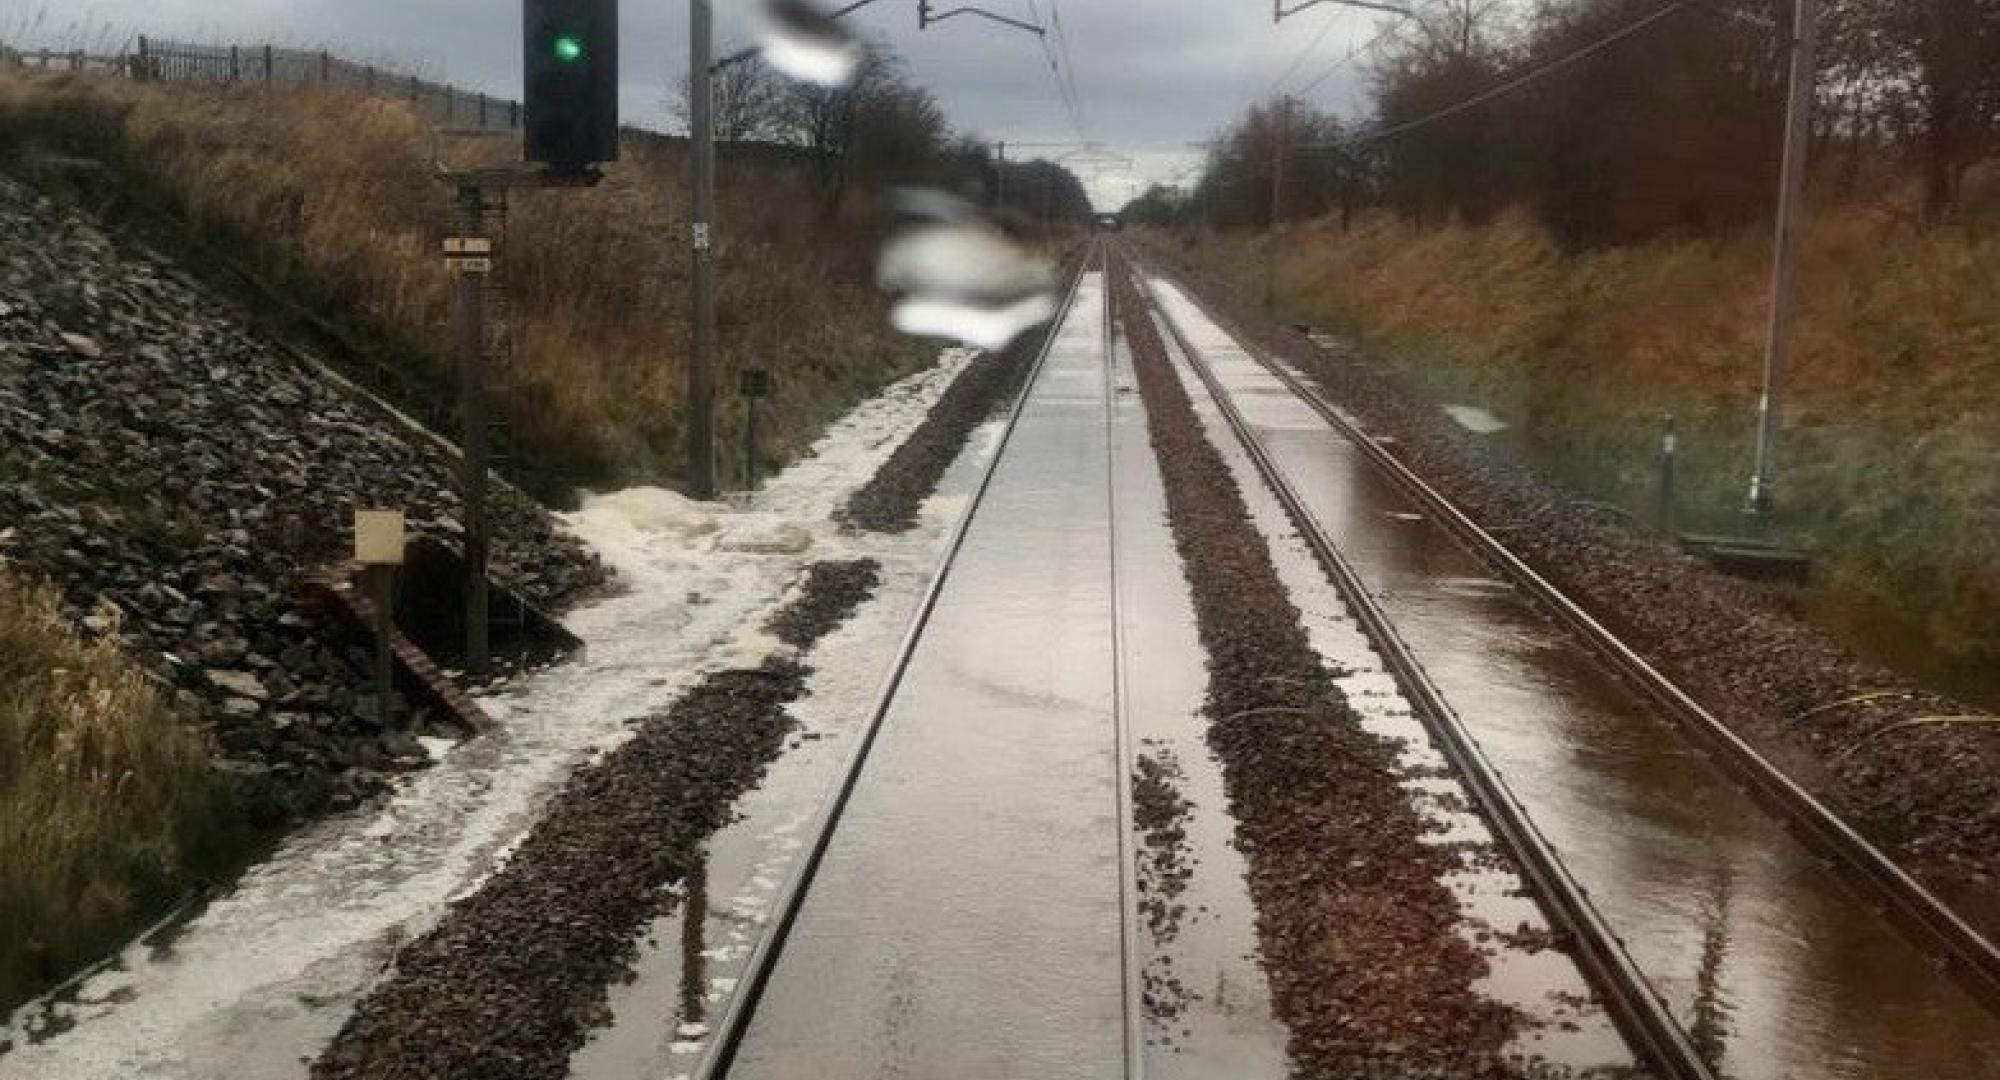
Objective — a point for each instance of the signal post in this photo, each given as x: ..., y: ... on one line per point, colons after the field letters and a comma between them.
x: 570, y: 126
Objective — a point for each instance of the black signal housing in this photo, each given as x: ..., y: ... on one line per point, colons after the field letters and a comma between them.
x: 571, y: 83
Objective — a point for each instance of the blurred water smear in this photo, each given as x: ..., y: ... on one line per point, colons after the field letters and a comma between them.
x: 956, y: 277
x: 806, y: 43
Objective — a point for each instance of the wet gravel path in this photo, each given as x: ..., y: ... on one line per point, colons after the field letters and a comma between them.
x: 508, y: 982
x: 1357, y: 931
x: 1928, y: 793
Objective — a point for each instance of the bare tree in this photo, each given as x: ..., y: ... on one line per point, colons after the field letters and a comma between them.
x: 750, y: 103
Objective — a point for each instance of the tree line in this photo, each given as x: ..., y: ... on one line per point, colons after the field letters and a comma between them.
x: 881, y: 129
x: 1670, y: 128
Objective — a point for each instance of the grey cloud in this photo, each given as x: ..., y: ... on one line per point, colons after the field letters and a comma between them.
x: 1153, y: 74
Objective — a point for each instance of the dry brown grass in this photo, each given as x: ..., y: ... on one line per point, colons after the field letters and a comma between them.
x: 1892, y: 452
x: 333, y: 196
x: 104, y: 795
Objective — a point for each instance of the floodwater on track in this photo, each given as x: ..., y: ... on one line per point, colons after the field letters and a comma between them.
x: 966, y: 919
x: 1776, y: 968
x: 692, y: 958
x: 1208, y: 1004
x: 1561, y: 1024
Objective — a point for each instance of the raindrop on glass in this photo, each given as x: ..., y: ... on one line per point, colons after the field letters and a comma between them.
x: 954, y: 276
x: 804, y: 42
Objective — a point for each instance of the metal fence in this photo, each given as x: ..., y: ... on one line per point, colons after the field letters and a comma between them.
x: 272, y: 66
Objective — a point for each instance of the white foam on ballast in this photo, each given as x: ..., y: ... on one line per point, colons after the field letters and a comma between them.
x: 257, y: 983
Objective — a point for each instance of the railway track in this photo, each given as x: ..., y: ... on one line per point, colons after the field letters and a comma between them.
x: 731, y: 1028
x: 1952, y: 942
x: 1645, y: 1020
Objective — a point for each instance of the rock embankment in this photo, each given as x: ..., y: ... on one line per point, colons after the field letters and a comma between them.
x: 176, y: 474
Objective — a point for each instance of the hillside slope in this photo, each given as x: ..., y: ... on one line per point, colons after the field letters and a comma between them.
x: 333, y: 199
x: 174, y: 475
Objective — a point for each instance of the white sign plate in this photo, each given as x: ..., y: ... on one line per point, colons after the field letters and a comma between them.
x: 378, y: 537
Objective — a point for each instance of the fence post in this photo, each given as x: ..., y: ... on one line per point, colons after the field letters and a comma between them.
x: 413, y: 89
x: 270, y: 66
x: 482, y: 110
x: 450, y: 102
x: 514, y: 115
x: 76, y: 60
x: 235, y: 65
x: 139, y: 63
x: 370, y: 79
x: 325, y: 66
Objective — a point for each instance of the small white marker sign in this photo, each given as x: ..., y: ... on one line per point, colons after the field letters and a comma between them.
x: 378, y: 537
x: 469, y: 254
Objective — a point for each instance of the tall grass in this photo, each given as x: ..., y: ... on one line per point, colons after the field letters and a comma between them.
x: 334, y: 197
x: 106, y: 798
x: 1890, y: 462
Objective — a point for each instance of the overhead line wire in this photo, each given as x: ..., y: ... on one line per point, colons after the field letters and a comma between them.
x: 1300, y: 59
x: 1352, y: 53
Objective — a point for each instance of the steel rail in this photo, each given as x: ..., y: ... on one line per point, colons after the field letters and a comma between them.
x: 1128, y: 826
x: 1641, y: 1015
x: 1952, y: 942
x: 734, y: 1023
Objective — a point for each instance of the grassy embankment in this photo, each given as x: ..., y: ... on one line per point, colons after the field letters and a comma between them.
x: 107, y: 803
x: 1891, y: 453
x: 332, y: 199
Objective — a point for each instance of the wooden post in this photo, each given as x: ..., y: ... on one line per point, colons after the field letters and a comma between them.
x: 382, y: 584
x: 471, y: 313
x: 235, y: 65
x: 325, y: 66
x: 378, y: 547
x: 1277, y: 203
x: 141, y: 60
x: 450, y: 102
x: 482, y: 110
x: 270, y: 66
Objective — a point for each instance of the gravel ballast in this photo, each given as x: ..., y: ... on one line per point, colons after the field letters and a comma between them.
x: 176, y: 473
x: 1929, y: 793
x: 891, y: 499
x: 508, y: 983
x: 1357, y: 931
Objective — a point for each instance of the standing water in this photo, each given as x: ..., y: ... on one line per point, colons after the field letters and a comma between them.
x: 1775, y: 968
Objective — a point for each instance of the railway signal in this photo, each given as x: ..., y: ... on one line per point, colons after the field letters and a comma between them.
x: 570, y: 49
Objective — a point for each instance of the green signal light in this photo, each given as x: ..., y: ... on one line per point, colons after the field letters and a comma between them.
x: 568, y: 48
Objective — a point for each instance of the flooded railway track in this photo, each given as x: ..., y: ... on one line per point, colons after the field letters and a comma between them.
x: 745, y: 1039
x: 1646, y: 1020
x: 967, y: 899
x: 1850, y: 997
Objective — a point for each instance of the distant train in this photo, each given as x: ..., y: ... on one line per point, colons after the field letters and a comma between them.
x: 1107, y: 222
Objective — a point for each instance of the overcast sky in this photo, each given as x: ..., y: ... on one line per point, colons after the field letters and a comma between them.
x: 1153, y: 75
